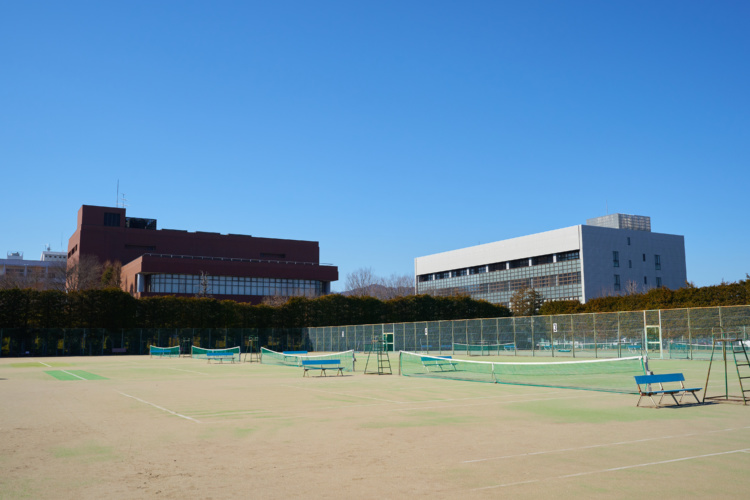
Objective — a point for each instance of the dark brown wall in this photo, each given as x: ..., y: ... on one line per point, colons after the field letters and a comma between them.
x: 163, y: 248
x: 125, y: 244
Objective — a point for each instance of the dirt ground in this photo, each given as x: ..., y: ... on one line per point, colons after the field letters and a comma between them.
x: 184, y: 428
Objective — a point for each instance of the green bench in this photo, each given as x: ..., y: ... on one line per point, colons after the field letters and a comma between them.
x: 322, y: 365
x: 646, y: 388
x: 219, y: 357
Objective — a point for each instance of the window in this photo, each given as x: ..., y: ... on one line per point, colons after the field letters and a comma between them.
x: 630, y: 264
x: 111, y: 219
x: 644, y: 257
x: 568, y: 279
x: 645, y: 280
x: 616, y: 258
x: 617, y: 282
x: 658, y: 282
x: 657, y: 262
x: 574, y: 255
x: 628, y: 240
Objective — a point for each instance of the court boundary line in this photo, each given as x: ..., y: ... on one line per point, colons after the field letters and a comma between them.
x: 77, y: 376
x: 161, y: 408
x: 604, y: 445
x: 615, y: 469
x: 188, y: 371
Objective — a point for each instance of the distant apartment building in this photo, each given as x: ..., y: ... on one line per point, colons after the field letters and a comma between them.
x: 176, y: 262
x: 44, y: 274
x: 609, y: 255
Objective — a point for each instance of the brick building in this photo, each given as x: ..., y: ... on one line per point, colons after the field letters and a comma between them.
x: 175, y: 262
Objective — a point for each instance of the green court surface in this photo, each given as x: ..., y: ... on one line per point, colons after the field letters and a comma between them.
x: 183, y: 428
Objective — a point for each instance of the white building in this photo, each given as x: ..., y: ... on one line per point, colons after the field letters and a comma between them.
x: 47, y: 272
x: 610, y: 255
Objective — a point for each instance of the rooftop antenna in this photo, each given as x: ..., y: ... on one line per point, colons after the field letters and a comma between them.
x: 120, y: 201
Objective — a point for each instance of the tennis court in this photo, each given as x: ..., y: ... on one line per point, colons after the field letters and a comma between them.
x: 135, y: 426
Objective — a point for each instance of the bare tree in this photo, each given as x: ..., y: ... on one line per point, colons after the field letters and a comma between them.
x: 361, y: 282
x: 631, y: 287
x: 204, y: 286
x: 364, y: 283
x: 84, y: 273
x: 396, y: 286
x: 526, y: 302
x: 112, y: 274
x: 274, y: 300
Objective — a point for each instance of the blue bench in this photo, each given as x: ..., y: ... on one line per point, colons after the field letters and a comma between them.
x: 438, y: 362
x: 294, y: 352
x: 322, y: 365
x: 220, y: 357
x: 510, y: 347
x: 647, y: 381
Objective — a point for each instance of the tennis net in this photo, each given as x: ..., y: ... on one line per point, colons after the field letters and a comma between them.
x: 608, y: 375
x: 200, y: 352
x: 269, y: 357
x: 483, y: 349
x: 164, y: 352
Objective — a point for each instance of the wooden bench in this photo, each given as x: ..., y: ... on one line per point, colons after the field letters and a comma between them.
x: 646, y: 389
x: 219, y: 357
x: 322, y: 365
x: 439, y: 362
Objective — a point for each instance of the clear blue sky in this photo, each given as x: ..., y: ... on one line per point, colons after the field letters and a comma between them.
x: 385, y: 130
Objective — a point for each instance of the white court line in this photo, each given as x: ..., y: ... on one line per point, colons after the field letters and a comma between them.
x: 614, y: 469
x: 189, y: 371
x: 77, y: 376
x: 45, y: 364
x: 561, y: 450
x: 160, y: 408
x: 484, y: 404
x: 343, y: 394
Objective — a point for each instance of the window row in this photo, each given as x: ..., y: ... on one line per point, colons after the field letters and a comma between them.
x: 510, y: 285
x: 502, y: 266
x: 232, y: 285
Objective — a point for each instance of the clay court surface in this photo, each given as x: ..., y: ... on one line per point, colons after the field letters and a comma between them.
x: 138, y: 427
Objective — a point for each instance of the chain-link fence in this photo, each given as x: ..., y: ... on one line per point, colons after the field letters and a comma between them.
x: 98, y: 341
x: 667, y: 334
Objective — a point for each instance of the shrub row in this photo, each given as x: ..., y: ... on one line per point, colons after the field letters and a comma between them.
x: 114, y: 309
x: 725, y: 294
